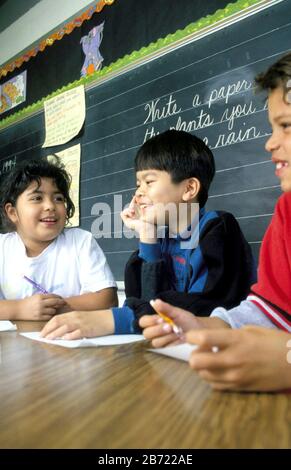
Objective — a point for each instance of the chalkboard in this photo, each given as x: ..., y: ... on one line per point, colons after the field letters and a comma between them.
x: 205, y: 87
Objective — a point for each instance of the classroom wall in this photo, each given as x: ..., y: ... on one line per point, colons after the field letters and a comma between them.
x: 118, y: 118
x: 12, y: 10
x: 129, y: 26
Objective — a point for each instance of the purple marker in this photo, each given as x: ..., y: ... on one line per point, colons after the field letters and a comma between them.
x: 37, y: 286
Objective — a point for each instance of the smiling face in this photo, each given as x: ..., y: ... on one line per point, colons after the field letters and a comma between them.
x: 279, y: 144
x: 155, y: 190
x: 39, y: 215
x: 158, y: 198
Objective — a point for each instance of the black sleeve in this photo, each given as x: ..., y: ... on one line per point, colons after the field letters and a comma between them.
x: 230, y: 267
x: 144, y: 280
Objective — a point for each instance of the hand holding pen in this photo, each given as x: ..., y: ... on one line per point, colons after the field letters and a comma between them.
x: 169, y: 326
x: 161, y: 329
x: 175, y: 328
x: 40, y: 306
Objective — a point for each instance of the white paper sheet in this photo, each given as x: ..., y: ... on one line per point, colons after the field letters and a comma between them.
x: 71, y: 158
x: 64, y: 116
x: 181, y: 351
x: 110, y: 340
x: 6, y: 325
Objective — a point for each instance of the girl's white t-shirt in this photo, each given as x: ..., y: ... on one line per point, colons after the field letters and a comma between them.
x: 72, y: 264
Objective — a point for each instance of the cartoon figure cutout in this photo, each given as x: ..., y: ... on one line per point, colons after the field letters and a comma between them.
x: 90, y: 46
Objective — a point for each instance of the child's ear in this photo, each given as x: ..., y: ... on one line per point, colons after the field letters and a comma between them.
x: 192, y: 189
x: 11, y: 212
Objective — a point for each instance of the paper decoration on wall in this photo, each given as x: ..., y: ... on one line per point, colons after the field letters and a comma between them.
x: 71, y: 160
x: 64, y: 116
x: 13, y: 92
x: 90, y: 46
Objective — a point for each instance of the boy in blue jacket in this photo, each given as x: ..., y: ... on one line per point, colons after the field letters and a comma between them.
x: 194, y: 268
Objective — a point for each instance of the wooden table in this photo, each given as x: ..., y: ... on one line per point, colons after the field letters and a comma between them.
x: 124, y: 397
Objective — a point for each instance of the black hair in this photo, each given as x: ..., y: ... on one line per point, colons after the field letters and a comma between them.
x: 277, y: 75
x: 182, y: 155
x: 16, y: 182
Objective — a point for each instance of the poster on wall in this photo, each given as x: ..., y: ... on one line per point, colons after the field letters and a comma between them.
x: 71, y: 159
x: 13, y: 92
x: 64, y: 116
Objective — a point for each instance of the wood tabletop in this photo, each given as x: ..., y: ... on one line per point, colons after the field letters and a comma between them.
x: 124, y: 397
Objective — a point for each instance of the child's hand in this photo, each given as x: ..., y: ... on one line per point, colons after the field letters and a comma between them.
x: 251, y: 358
x: 65, y: 308
x: 130, y: 216
x: 160, y: 332
x: 76, y: 325
x: 39, y: 307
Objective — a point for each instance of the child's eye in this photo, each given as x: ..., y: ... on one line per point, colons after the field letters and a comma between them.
x: 286, y: 125
x: 36, y: 198
x: 60, y: 198
x: 150, y: 181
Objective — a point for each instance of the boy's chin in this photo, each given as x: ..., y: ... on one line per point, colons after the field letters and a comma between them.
x: 286, y: 186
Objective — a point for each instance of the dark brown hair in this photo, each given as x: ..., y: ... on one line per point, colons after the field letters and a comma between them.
x: 277, y: 75
x: 182, y: 155
x: 23, y: 175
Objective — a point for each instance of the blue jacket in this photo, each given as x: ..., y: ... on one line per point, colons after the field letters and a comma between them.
x: 217, y: 272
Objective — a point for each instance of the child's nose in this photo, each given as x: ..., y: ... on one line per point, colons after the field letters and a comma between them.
x: 272, y: 143
x: 49, y: 204
x: 140, y: 191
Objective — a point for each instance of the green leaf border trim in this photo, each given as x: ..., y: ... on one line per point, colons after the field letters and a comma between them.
x: 135, y: 56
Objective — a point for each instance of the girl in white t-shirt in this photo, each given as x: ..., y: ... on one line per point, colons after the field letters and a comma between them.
x: 44, y: 268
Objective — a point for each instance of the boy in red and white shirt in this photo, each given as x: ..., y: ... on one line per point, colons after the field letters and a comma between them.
x: 252, y: 357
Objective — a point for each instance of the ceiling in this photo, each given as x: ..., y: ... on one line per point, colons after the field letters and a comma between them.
x: 11, y: 10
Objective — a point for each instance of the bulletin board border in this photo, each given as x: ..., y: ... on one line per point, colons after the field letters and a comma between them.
x: 221, y: 18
